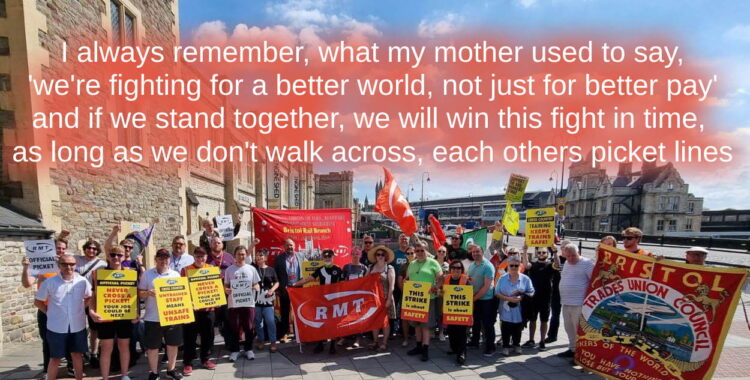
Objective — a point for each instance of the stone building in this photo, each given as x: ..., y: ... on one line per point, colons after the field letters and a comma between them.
x: 335, y: 190
x: 655, y: 199
x: 88, y: 201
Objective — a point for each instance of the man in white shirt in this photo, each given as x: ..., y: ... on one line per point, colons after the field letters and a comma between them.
x: 63, y: 298
x: 574, y: 280
x: 179, y: 258
x: 154, y: 332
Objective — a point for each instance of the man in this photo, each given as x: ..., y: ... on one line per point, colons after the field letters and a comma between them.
x: 399, y: 261
x: 574, y: 280
x: 154, y: 332
x: 218, y: 257
x: 367, y: 243
x: 131, y: 261
x: 86, y: 265
x: 425, y: 269
x: 179, y: 259
x: 63, y: 299
x: 696, y: 256
x: 555, y: 306
x: 455, y: 252
x: 208, y: 234
x: 203, y: 325
x: 288, y: 268
x: 541, y: 273
x: 482, y: 273
x: 631, y: 237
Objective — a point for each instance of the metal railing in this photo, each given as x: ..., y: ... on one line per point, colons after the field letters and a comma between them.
x: 662, y: 240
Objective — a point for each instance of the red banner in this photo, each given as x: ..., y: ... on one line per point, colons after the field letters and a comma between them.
x: 340, y: 309
x: 314, y: 230
x: 648, y: 319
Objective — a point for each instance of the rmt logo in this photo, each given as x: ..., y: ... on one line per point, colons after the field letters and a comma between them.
x: 337, y: 306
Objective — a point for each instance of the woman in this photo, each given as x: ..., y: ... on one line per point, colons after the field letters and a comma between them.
x: 510, y: 289
x: 609, y: 240
x: 264, y: 316
x: 109, y: 330
x: 382, y: 256
x: 240, y: 317
x: 86, y: 265
x: 457, y: 333
x: 401, y: 277
x: 442, y: 251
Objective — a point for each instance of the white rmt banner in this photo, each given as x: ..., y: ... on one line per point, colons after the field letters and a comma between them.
x: 42, y: 256
x: 225, y: 227
x: 243, y: 294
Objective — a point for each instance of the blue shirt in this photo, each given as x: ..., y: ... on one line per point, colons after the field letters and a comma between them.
x: 478, y: 273
x: 506, y: 288
x: 399, y: 259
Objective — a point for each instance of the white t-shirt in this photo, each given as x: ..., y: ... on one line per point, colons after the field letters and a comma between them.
x: 66, y: 308
x: 574, y: 280
x: 234, y: 272
x: 83, y: 265
x: 176, y: 263
x: 147, y: 283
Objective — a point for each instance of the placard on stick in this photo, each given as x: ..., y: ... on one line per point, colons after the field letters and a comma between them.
x: 42, y: 256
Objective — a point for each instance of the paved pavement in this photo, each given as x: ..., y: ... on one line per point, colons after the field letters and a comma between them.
x: 22, y: 361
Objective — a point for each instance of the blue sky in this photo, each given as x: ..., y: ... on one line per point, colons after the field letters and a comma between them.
x: 716, y: 31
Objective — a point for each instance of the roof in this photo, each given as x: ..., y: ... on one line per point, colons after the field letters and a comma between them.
x: 13, y: 222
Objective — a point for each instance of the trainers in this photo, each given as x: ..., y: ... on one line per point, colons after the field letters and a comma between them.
x: 441, y: 336
x: 208, y: 365
x: 460, y: 359
x: 187, y: 370
x: 416, y: 350
x: 518, y: 350
x: 125, y: 377
x: 550, y: 340
x: 567, y: 354
x: 44, y: 376
x: 542, y: 347
x: 425, y: 353
x: 71, y: 371
x: 529, y: 344
x: 153, y: 376
x: 250, y: 355
x: 233, y: 356
x: 174, y: 374
x: 506, y: 352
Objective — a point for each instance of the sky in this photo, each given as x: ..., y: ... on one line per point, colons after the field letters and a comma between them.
x: 716, y: 32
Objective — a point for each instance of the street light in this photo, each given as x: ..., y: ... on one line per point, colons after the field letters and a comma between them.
x: 421, y: 198
x: 409, y: 189
x: 471, y: 207
x: 552, y: 176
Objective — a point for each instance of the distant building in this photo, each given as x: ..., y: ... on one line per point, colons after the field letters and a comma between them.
x: 726, y: 221
x: 655, y: 199
x: 334, y: 190
x: 485, y: 209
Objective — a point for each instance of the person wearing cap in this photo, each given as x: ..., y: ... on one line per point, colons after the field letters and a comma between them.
x: 696, y: 256
x: 381, y: 257
x: 203, y: 325
x: 154, y: 331
x: 288, y: 266
x: 631, y: 237
x: 425, y: 269
x: 328, y: 273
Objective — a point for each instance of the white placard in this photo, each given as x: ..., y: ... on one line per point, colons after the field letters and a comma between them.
x: 225, y: 227
x: 243, y: 294
x: 42, y: 255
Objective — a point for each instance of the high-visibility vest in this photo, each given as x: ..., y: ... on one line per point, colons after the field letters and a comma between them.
x: 461, y: 280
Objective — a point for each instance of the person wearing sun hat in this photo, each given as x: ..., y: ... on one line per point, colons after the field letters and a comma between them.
x: 381, y: 257
x: 696, y: 256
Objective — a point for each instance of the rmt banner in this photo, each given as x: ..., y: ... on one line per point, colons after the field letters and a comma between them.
x: 340, y: 309
x: 649, y: 319
x: 311, y: 230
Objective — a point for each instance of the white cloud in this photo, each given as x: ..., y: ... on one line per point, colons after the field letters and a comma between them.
x: 527, y: 3
x: 739, y: 32
x: 211, y: 33
x: 319, y: 16
x: 448, y: 23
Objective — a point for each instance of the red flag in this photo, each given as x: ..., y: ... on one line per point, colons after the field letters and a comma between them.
x: 438, y: 236
x: 340, y: 309
x: 392, y: 204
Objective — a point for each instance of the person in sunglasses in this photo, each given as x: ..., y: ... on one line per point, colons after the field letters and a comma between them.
x: 382, y: 256
x: 541, y: 274
x: 85, y: 266
x: 457, y: 333
x: 425, y: 269
x: 409, y: 252
x: 631, y: 237
x: 510, y: 290
x: 108, y: 331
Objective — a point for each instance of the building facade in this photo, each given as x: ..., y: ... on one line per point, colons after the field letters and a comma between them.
x: 335, y: 190
x: 655, y: 199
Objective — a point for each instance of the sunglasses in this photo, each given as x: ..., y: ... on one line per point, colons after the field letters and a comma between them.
x: 178, y: 244
x: 419, y: 250
x: 116, y: 255
x: 68, y: 264
x: 368, y: 242
x: 513, y: 266
x: 629, y: 237
x: 127, y: 247
x: 409, y: 253
x: 92, y: 247
x: 380, y: 254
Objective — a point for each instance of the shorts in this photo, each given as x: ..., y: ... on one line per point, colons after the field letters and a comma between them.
x: 60, y: 344
x: 154, y: 332
x: 432, y: 316
x: 122, y: 329
x: 92, y: 325
x: 540, y: 308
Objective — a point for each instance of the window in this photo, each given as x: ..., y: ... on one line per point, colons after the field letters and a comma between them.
x: 3, y: 13
x: 705, y: 218
x: 4, y: 82
x: 717, y: 218
x: 730, y: 218
x: 594, y: 208
x: 689, y: 224
x: 669, y: 203
x: 660, y: 225
x: 4, y: 46
x: 691, y: 207
x: 123, y: 24
x: 672, y: 225
x: 603, y: 205
x: 7, y: 119
x: 744, y: 218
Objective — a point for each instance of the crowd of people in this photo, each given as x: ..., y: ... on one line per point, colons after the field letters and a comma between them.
x: 525, y: 290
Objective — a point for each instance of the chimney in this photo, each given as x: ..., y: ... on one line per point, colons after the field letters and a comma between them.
x: 625, y: 170
x: 647, y: 166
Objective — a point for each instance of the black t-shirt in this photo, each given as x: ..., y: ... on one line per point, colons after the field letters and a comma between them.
x: 541, y: 274
x: 267, y: 280
x: 457, y: 254
x: 328, y: 275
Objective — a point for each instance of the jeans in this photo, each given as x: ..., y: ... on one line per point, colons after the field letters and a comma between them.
x: 485, y: 312
x: 554, y: 320
x: 203, y: 326
x: 264, y: 317
x: 571, y: 316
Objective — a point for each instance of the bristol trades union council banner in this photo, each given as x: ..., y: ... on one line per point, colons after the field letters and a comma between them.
x: 648, y: 319
x: 310, y: 229
x: 340, y: 309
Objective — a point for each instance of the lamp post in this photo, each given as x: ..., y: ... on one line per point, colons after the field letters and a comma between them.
x: 553, y: 176
x: 421, y: 198
x: 471, y: 207
x: 409, y: 189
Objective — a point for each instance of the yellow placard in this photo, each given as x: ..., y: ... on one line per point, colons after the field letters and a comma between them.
x: 116, y: 294
x: 511, y: 220
x: 540, y: 227
x: 173, y: 301
x: 516, y: 188
x: 458, y: 304
x: 308, y: 268
x: 206, y: 287
x: 415, y: 302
